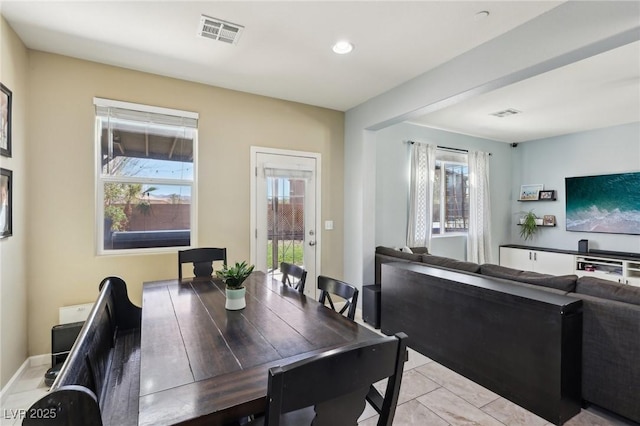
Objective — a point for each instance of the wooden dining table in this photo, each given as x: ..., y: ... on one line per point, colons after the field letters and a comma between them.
x: 203, y: 364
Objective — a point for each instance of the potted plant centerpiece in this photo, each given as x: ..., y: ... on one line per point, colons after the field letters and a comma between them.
x: 529, y: 225
x: 233, y: 278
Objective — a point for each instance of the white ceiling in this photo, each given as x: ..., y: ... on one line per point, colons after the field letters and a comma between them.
x: 599, y: 91
x: 285, y: 52
x: 285, y: 49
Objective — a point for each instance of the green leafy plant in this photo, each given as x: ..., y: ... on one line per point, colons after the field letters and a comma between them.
x: 120, y: 200
x: 528, y: 225
x: 234, y: 276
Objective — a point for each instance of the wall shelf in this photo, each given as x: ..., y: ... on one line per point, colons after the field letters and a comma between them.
x: 545, y: 195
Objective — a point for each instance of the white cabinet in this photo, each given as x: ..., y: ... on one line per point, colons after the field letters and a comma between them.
x: 608, y: 268
x: 598, y: 267
x: 623, y: 269
x: 544, y: 262
x: 632, y: 273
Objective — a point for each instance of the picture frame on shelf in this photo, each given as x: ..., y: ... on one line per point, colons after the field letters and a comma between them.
x: 5, y: 120
x: 549, y: 220
x: 530, y: 192
x: 6, y: 203
x: 549, y: 194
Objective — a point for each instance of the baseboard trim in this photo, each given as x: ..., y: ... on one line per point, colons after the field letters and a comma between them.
x: 5, y: 390
x: 32, y: 361
x: 38, y: 360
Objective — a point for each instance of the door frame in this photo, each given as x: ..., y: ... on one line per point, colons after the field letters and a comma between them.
x: 255, y: 150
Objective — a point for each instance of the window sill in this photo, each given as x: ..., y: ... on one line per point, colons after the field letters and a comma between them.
x: 142, y: 251
x: 449, y: 235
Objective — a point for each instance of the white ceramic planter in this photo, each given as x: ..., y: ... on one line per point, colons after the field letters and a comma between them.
x: 235, y: 299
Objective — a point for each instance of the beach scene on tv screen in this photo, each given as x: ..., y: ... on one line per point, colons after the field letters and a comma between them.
x: 604, y: 203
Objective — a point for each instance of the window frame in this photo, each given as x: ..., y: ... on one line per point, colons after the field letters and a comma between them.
x: 445, y: 157
x: 101, y: 179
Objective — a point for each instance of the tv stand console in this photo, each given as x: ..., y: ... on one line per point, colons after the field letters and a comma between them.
x: 614, y: 266
x: 615, y: 253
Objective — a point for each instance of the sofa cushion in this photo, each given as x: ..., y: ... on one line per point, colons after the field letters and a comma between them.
x: 388, y: 251
x: 561, y: 282
x: 610, y: 352
x: 608, y: 290
x: 450, y: 263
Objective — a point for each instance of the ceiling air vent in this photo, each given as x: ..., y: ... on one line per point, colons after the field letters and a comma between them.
x: 218, y: 29
x: 505, y: 113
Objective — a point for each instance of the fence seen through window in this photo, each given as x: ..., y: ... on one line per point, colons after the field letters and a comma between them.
x: 285, y: 221
x: 146, y: 178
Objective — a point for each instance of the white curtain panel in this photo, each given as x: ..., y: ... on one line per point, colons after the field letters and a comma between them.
x: 479, y: 235
x: 423, y: 166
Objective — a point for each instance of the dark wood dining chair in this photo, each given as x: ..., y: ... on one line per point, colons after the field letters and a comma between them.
x: 202, y: 259
x: 330, y: 388
x: 293, y: 275
x: 328, y: 286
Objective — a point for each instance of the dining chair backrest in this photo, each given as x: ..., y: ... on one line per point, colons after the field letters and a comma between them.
x: 202, y: 259
x: 293, y: 275
x: 342, y: 380
x: 328, y: 286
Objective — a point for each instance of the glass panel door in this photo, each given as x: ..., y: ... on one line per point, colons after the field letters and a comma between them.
x: 285, y: 221
x: 286, y: 214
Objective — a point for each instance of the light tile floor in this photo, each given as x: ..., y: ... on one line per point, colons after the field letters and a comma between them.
x: 431, y: 395
x: 27, y: 389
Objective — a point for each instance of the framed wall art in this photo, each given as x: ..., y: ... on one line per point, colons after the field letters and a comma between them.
x: 5, y: 121
x: 6, y: 204
x: 548, y: 195
x: 608, y: 203
x: 530, y: 192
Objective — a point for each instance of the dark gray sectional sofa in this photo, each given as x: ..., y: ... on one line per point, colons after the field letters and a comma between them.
x: 610, y: 341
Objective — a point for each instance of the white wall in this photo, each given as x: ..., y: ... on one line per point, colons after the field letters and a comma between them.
x: 392, y: 185
x: 549, y: 161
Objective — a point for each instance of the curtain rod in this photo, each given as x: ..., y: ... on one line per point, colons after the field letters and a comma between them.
x: 452, y: 149
x: 446, y: 147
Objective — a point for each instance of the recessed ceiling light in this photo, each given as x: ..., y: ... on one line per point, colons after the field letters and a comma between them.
x: 506, y: 112
x: 481, y: 15
x: 342, y: 47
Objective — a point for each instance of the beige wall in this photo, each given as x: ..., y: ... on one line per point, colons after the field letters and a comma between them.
x: 13, y: 268
x: 63, y: 267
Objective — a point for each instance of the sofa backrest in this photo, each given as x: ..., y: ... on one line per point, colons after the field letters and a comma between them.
x: 562, y: 282
x: 450, y: 263
x: 610, y: 290
x: 388, y: 251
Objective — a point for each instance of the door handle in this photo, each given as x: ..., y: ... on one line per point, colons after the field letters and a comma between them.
x: 312, y: 243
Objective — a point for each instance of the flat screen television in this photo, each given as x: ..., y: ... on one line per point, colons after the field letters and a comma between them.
x: 604, y: 203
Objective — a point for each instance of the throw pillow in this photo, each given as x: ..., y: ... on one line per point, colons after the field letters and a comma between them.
x: 388, y: 251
